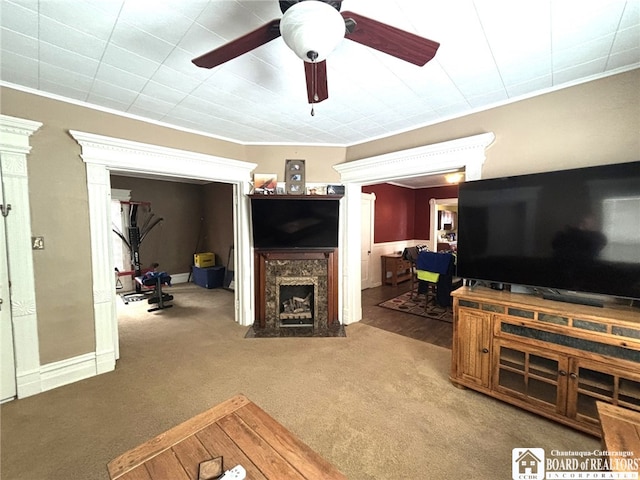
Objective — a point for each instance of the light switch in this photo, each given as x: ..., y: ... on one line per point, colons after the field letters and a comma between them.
x: 37, y: 243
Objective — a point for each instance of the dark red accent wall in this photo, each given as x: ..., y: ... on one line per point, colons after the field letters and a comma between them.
x: 394, y: 214
x: 403, y: 213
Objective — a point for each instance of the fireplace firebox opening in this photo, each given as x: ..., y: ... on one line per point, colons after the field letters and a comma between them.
x: 297, y: 300
x: 296, y: 305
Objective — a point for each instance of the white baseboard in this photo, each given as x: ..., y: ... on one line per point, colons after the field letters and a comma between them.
x: 64, y: 372
x: 28, y: 383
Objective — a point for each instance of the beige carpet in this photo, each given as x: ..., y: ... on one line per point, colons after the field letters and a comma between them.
x: 376, y: 404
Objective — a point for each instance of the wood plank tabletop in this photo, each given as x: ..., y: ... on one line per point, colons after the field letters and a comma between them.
x: 620, y: 433
x: 239, y: 431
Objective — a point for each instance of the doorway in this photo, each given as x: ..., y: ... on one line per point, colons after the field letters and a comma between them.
x: 465, y: 153
x: 443, y: 232
x: 103, y: 155
x: 368, y: 216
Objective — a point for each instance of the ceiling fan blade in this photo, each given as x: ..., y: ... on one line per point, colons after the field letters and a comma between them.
x: 316, y: 74
x: 404, y: 45
x: 239, y: 46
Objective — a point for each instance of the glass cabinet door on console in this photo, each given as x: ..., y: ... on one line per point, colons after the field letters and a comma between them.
x: 536, y: 376
x: 589, y: 383
x: 474, y: 337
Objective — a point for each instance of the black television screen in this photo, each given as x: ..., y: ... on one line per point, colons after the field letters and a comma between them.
x: 573, y: 230
x: 294, y: 223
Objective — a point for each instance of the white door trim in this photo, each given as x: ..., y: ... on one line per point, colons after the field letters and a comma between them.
x: 371, y: 199
x: 434, y: 203
x: 467, y: 153
x: 14, y: 148
x: 105, y: 154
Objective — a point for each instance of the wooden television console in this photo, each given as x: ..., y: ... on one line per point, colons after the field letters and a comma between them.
x: 551, y: 358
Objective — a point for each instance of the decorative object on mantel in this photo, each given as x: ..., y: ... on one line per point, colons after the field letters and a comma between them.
x: 294, y: 177
x: 265, y: 183
x: 335, y: 189
x: 335, y: 330
x: 316, y: 190
x: 415, y: 306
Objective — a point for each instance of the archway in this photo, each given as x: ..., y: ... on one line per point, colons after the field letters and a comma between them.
x: 465, y: 153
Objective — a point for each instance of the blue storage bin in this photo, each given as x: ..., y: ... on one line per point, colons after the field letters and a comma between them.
x: 210, y: 277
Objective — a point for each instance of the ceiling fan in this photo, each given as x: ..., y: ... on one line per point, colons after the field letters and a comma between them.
x: 312, y: 29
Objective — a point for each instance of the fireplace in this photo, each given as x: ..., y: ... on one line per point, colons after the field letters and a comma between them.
x: 296, y: 300
x: 296, y: 289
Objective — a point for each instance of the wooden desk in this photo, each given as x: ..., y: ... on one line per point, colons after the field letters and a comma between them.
x: 620, y: 433
x: 239, y: 431
x: 400, y: 269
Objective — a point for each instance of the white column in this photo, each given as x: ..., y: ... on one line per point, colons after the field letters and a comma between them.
x: 351, y: 276
x: 243, y: 261
x: 99, y: 190
x: 14, y: 147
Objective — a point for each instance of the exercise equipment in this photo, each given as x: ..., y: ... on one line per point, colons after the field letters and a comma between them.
x: 156, y: 280
x: 137, y: 233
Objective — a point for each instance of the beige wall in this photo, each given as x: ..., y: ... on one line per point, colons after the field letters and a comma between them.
x: 319, y: 161
x: 59, y: 213
x: 180, y: 205
x: 217, y: 213
x: 587, y: 124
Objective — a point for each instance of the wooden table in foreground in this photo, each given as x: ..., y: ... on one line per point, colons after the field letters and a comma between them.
x: 239, y: 431
x: 620, y: 433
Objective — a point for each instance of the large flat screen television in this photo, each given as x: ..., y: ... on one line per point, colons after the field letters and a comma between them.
x: 574, y: 231
x: 284, y: 223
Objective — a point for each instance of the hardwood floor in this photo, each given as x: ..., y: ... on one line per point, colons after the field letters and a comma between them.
x: 423, y: 329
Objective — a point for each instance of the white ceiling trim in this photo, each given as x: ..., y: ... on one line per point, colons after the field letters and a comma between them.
x: 417, y: 126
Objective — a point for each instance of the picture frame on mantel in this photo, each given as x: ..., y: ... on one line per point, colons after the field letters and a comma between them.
x: 265, y: 183
x: 294, y: 175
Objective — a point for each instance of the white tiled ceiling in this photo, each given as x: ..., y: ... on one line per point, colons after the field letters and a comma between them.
x: 134, y: 56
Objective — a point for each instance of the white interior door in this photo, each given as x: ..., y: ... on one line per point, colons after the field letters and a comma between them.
x: 7, y: 358
x: 366, y: 236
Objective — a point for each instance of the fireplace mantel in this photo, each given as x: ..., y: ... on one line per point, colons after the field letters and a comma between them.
x: 319, y: 265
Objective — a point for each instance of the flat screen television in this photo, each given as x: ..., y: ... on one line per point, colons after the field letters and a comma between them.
x: 284, y: 223
x: 570, y: 231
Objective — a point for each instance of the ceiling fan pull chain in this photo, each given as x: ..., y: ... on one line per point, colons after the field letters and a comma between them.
x: 315, y: 82
x: 314, y: 86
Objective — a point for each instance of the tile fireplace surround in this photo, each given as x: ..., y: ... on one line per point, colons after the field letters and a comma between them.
x: 315, y: 269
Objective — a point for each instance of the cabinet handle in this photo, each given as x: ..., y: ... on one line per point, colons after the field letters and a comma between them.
x: 562, y: 373
x: 485, y: 350
x: 573, y: 376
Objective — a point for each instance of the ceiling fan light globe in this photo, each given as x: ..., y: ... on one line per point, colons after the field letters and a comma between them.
x: 312, y: 26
